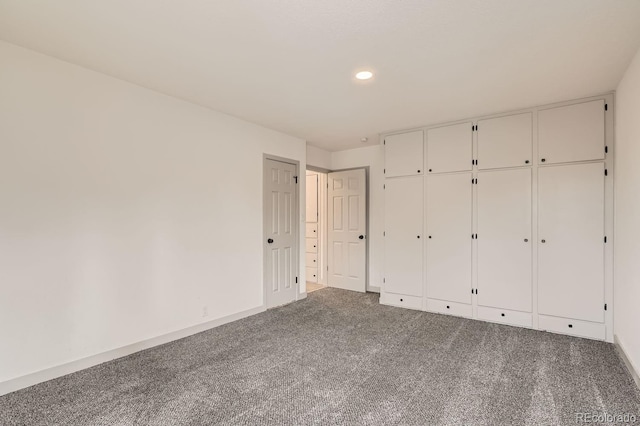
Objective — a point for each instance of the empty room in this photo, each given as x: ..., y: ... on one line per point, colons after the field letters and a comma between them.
x: 319, y: 212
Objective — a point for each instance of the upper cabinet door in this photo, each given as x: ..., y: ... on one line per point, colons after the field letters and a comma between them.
x: 450, y: 148
x: 505, y: 141
x: 403, y: 154
x: 571, y: 133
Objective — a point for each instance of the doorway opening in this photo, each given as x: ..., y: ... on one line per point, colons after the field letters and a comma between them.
x: 316, y: 231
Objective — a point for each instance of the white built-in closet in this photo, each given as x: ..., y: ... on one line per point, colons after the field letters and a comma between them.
x: 505, y: 218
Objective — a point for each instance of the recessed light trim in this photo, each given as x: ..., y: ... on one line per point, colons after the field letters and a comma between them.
x: 364, y: 75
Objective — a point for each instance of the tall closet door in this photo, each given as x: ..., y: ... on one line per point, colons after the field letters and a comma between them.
x: 504, y: 239
x: 571, y: 241
x: 403, y: 235
x: 449, y: 225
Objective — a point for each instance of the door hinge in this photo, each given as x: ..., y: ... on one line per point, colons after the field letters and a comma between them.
x: 605, y: 306
x: 606, y: 172
x: 384, y: 233
x: 606, y: 107
x: 384, y: 186
x: 606, y: 149
x: 296, y: 178
x: 384, y: 171
x: 384, y: 142
x: 296, y: 280
x: 605, y: 239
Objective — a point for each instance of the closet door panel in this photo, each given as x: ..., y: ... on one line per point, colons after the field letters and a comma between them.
x: 403, y: 154
x: 571, y: 241
x: 449, y: 221
x: 571, y: 133
x: 450, y: 148
x: 403, y: 236
x: 505, y: 141
x: 504, y: 239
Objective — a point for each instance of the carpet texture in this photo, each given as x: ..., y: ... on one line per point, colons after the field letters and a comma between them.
x: 341, y: 358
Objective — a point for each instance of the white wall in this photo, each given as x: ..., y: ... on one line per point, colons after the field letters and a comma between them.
x: 123, y: 212
x: 627, y: 214
x: 318, y: 157
x: 373, y: 157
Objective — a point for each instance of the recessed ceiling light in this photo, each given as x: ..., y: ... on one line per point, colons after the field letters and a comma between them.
x: 364, y: 75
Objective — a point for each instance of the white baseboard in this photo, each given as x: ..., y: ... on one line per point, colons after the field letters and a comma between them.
x: 373, y: 289
x: 633, y: 369
x: 25, y: 381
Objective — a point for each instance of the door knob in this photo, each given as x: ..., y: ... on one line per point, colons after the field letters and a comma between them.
x: 543, y: 241
x: 270, y: 240
x: 526, y: 240
x: 361, y: 237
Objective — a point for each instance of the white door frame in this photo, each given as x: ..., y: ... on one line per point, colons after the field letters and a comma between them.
x: 296, y: 222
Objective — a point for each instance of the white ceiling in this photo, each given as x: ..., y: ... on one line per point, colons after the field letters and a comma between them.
x: 289, y: 64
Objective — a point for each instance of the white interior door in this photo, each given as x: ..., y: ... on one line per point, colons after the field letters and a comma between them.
x: 504, y: 232
x: 281, y: 232
x: 347, y: 230
x: 571, y: 241
x: 449, y: 220
x: 403, y: 222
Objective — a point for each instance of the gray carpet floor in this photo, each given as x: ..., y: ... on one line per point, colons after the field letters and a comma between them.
x: 341, y: 358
